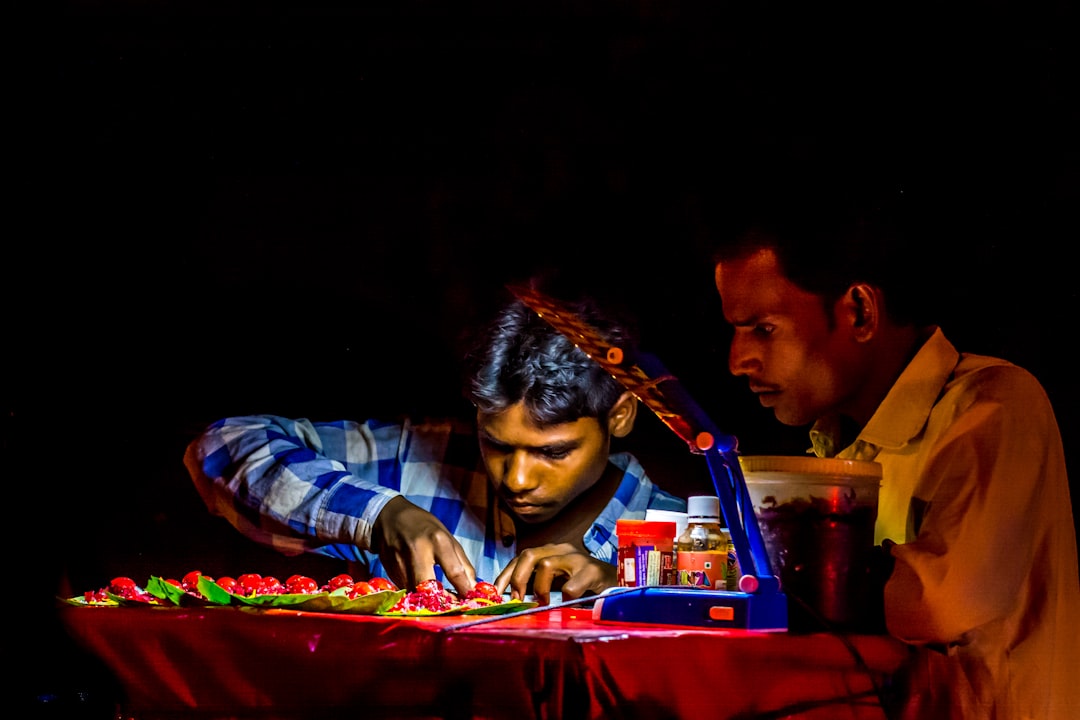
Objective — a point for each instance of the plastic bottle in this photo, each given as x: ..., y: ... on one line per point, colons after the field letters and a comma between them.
x: 705, y: 556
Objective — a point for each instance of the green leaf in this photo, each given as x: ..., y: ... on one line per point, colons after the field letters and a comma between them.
x: 174, y: 594
x: 289, y: 601
x: 214, y: 593
x: 164, y: 590
x: 128, y: 602
x: 510, y: 606
x: 420, y: 612
x: 503, y: 608
x: 81, y: 601
x: 371, y: 604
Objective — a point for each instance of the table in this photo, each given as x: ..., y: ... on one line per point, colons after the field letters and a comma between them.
x: 228, y: 662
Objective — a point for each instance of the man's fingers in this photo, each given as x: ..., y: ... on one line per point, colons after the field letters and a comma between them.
x: 503, y: 580
x: 457, y: 569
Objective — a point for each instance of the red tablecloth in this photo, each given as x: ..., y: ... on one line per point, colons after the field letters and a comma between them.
x: 223, y: 662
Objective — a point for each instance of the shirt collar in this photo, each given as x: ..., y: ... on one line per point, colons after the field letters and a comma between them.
x: 904, y: 411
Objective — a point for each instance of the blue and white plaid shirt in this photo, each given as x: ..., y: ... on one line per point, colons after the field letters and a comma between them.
x: 301, y: 486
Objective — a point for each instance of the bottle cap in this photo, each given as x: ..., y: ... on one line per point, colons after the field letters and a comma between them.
x: 703, y: 508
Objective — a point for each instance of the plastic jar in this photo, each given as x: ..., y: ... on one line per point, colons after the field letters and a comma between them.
x: 817, y: 520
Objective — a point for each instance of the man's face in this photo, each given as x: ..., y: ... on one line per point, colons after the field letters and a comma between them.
x: 536, y: 470
x: 796, y: 363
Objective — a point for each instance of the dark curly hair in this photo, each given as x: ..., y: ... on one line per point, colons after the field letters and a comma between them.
x: 518, y: 357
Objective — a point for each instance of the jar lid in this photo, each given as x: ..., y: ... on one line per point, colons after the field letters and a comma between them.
x: 810, y: 465
x: 645, y: 528
x: 680, y: 519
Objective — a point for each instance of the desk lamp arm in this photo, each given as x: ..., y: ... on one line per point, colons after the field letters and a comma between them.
x: 737, y: 508
x: 688, y: 420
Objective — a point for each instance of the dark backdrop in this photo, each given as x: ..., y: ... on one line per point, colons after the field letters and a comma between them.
x: 282, y: 207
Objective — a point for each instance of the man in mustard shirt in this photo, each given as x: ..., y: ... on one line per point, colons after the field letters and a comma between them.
x: 974, y: 509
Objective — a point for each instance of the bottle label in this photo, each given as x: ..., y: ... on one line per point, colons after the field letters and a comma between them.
x: 641, y: 565
x: 733, y: 572
x: 705, y: 569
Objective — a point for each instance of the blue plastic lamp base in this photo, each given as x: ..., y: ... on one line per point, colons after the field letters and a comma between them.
x: 693, y: 607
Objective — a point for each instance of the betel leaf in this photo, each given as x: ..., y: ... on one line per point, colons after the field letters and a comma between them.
x: 503, y: 608
x: 214, y: 593
x: 174, y: 594
x: 145, y: 600
x: 337, y: 601
x: 370, y: 604
x: 416, y: 612
x: 315, y: 602
x: 83, y: 602
x: 164, y: 590
x: 311, y: 602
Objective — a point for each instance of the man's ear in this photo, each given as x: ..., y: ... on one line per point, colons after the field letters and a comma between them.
x: 862, y: 306
x: 622, y: 415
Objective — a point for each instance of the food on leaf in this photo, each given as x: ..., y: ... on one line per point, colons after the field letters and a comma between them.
x: 376, y: 596
x: 301, y: 585
x: 342, y: 580
x: 228, y: 584
x: 381, y: 583
x: 431, y: 598
x: 121, y: 590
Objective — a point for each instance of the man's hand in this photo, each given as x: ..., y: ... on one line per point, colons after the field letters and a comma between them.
x: 582, y: 572
x: 411, y: 541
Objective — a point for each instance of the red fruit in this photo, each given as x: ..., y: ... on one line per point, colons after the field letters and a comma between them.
x: 380, y: 583
x: 359, y: 588
x: 191, y: 580
x: 271, y: 586
x: 301, y: 585
x: 174, y: 581
x: 430, y: 587
x: 228, y: 584
x: 96, y: 596
x: 485, y: 591
x: 429, y: 595
x: 337, y: 581
x: 249, y: 583
x: 125, y: 587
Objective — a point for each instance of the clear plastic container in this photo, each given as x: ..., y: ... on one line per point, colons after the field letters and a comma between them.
x: 817, y: 520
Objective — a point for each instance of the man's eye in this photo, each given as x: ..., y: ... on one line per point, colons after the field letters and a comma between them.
x: 764, y: 329
x: 494, y: 447
x: 552, y: 454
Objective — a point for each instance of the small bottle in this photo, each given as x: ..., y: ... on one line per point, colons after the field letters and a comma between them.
x: 680, y: 520
x: 705, y: 557
x: 646, y: 553
x: 733, y: 573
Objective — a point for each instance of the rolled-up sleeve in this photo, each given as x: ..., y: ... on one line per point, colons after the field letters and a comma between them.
x: 295, y: 485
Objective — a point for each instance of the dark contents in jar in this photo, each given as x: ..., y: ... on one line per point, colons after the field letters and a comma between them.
x: 823, y: 558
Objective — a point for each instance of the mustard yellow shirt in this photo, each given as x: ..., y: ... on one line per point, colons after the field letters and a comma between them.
x: 985, y: 587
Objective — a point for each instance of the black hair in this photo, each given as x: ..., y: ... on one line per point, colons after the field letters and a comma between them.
x: 519, y: 357
x: 825, y: 243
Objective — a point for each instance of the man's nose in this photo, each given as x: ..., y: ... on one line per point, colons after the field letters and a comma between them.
x: 518, y: 475
x: 742, y: 358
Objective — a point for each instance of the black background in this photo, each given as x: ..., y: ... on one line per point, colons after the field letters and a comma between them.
x: 223, y: 208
